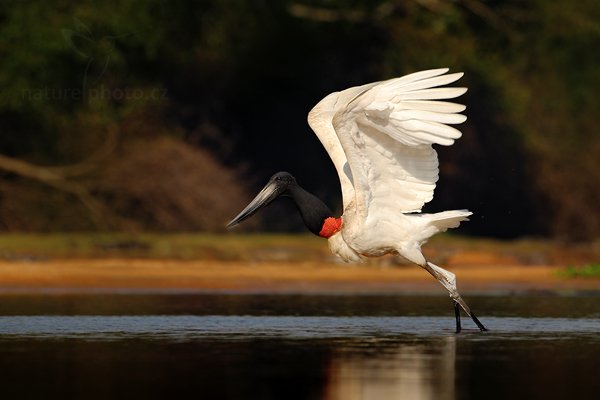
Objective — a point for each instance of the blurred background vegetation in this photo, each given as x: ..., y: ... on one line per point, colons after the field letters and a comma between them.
x: 167, y: 116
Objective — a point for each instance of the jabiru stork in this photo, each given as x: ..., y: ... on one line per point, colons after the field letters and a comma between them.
x: 379, y: 137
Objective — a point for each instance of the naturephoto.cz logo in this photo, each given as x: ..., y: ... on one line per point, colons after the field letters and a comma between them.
x: 100, y: 92
x: 97, y: 52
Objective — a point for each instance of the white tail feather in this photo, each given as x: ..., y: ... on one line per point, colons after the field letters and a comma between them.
x: 440, y: 222
x: 449, y: 219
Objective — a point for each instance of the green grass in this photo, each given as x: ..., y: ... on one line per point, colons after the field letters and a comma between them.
x: 583, y: 271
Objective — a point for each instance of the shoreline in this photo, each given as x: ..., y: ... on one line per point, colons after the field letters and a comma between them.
x: 148, y: 276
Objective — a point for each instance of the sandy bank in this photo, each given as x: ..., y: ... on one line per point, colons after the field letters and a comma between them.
x: 81, y: 275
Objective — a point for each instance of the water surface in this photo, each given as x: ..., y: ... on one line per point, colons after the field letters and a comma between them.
x: 297, y: 347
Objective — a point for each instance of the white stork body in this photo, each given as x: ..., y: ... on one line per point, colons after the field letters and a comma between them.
x: 379, y: 137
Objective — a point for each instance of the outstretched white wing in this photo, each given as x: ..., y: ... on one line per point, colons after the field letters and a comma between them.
x: 320, y: 119
x: 379, y: 137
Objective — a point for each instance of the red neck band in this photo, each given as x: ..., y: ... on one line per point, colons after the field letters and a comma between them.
x: 330, y: 227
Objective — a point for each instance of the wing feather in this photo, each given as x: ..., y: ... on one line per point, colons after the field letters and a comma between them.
x: 433, y: 94
x: 387, y: 131
x: 393, y: 84
x: 435, y: 106
x: 380, y: 136
x: 320, y: 119
x: 416, y: 76
x: 424, y: 115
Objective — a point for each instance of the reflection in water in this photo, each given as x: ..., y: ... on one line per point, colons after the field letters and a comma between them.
x: 281, y: 347
x: 408, y: 371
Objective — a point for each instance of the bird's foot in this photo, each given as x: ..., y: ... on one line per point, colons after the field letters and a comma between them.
x: 457, y: 308
x: 478, y: 323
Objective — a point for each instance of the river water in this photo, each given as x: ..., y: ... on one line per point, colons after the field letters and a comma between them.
x: 297, y: 347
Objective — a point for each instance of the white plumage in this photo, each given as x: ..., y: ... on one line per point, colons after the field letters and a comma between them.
x: 379, y: 137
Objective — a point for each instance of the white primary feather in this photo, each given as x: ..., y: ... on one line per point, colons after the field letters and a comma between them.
x: 379, y: 137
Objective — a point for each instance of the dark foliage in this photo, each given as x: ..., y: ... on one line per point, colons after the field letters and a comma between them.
x: 235, y: 80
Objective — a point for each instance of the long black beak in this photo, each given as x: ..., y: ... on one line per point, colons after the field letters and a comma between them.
x: 269, y: 193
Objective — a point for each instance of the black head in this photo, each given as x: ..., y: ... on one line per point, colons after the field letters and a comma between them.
x: 282, y: 179
x: 278, y: 185
x: 312, y: 210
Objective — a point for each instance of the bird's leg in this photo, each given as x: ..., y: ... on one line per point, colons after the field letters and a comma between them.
x: 457, y: 315
x: 448, y: 280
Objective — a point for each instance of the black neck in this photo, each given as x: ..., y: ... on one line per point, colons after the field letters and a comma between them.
x: 311, y: 208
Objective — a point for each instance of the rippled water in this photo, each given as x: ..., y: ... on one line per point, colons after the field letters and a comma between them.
x: 166, y: 327
x: 297, y: 347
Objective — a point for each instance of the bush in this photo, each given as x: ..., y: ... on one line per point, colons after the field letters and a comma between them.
x: 166, y: 184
